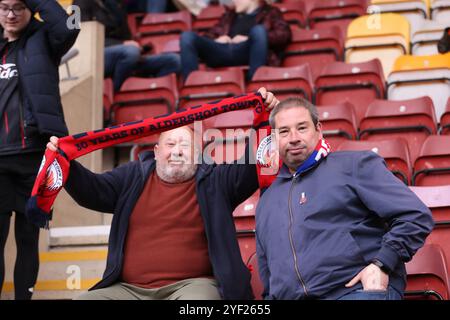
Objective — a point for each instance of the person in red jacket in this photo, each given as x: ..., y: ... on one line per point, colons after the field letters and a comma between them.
x: 252, y: 33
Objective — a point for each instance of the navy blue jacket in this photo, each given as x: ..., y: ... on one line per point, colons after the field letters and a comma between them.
x: 353, y: 210
x: 220, y: 189
x: 41, y: 48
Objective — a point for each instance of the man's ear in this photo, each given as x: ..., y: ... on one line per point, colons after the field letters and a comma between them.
x: 156, y: 150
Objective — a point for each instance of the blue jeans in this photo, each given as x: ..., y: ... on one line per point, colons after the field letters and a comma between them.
x: 122, y: 60
x: 252, y: 52
x: 359, y: 294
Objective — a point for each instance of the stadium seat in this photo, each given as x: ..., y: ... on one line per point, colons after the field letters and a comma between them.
x: 395, y: 152
x: 208, y: 17
x: 284, y: 82
x: 141, y: 98
x: 340, y: 13
x: 357, y: 83
x: 134, y: 20
x: 437, y: 200
x: 425, y: 39
x: 317, y: 47
x: 257, y: 285
x: 415, y: 76
x: 427, y: 277
x: 108, y: 98
x: 412, y: 120
x: 205, y: 86
x: 384, y: 36
x: 416, y: 11
x: 244, y: 219
x: 294, y: 12
x: 445, y: 120
x: 432, y: 167
x: 338, y: 123
x: 440, y: 10
x: 162, y: 27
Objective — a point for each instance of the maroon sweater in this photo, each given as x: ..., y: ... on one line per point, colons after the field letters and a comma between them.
x: 166, y: 240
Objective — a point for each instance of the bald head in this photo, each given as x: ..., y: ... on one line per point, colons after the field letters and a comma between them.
x: 175, y: 154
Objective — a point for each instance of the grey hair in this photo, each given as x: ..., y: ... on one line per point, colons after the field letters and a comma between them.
x: 294, y: 102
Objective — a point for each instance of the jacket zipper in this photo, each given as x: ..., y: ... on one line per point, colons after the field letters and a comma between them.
x: 291, y: 239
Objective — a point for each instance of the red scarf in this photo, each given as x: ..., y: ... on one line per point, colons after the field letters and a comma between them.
x: 55, y: 166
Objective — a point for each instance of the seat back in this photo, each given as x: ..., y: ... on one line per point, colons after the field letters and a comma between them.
x: 293, y: 12
x: 141, y: 98
x: 412, y: 120
x: 317, y: 47
x: 256, y: 283
x: 356, y: 83
x: 208, y: 17
x: 437, y: 200
x: 205, y: 86
x: 338, y: 123
x: 284, y: 82
x: 445, y: 119
x: 427, y: 276
x: 395, y: 152
x: 414, y: 76
x: 432, y: 167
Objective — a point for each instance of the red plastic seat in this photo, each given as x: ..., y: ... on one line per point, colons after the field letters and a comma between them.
x: 294, y: 12
x: 317, y: 47
x: 327, y: 13
x: 437, y: 200
x: 162, y: 27
x: 395, y: 152
x: 141, y: 98
x: 108, y: 98
x: 208, y: 17
x: 445, y: 120
x: 338, y: 123
x: 427, y: 277
x: 134, y: 20
x: 205, y: 86
x: 244, y: 219
x: 255, y: 281
x: 357, y: 83
x: 432, y: 167
x: 414, y: 120
x: 284, y: 82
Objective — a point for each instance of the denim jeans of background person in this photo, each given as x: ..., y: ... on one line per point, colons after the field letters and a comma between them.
x: 149, y: 6
x: 123, y: 55
x: 251, y: 33
x: 333, y: 225
x: 30, y: 112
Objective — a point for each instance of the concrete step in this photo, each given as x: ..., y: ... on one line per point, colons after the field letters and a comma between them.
x: 65, y: 274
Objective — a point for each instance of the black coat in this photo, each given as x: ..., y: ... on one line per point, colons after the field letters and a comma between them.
x: 41, y: 48
x: 220, y: 189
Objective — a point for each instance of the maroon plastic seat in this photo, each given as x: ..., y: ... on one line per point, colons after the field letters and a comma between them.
x: 208, y: 17
x: 414, y: 120
x: 205, y: 86
x: 427, y: 277
x: 432, y: 167
x: 327, y: 13
x: 284, y: 82
x: 437, y: 200
x: 357, y: 83
x: 445, y: 120
x: 395, y: 152
x: 294, y: 12
x: 338, y: 123
x: 108, y: 98
x: 317, y: 47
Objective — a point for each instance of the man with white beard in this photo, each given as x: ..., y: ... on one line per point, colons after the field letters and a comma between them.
x: 172, y: 235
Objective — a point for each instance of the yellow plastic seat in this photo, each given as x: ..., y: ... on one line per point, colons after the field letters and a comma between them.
x: 384, y: 36
x: 415, y: 76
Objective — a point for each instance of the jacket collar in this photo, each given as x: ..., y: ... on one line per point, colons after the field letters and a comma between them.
x: 286, y: 174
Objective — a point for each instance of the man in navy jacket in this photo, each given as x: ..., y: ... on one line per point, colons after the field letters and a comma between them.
x: 172, y: 234
x: 341, y: 227
x: 30, y: 112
